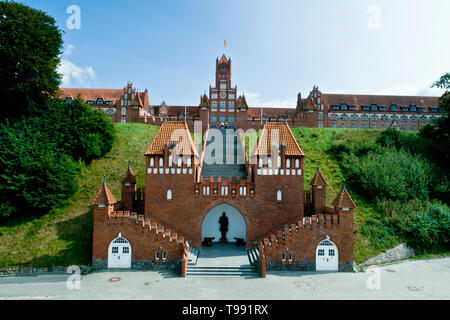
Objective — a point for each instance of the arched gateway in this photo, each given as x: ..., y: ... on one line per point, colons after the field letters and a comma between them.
x: 236, y: 229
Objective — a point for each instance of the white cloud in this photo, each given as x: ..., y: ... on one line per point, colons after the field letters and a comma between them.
x: 255, y: 99
x: 70, y: 48
x: 70, y: 71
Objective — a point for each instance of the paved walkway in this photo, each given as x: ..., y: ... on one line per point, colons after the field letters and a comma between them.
x: 421, y: 279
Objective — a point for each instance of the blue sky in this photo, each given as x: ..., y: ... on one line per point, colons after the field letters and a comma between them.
x: 278, y: 48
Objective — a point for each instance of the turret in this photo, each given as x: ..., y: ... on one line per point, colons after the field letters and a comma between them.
x: 128, y: 188
x: 104, y: 200
x: 344, y: 202
x: 319, y: 191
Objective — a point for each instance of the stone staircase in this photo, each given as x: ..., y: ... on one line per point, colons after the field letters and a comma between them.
x: 228, y: 262
x: 235, y: 168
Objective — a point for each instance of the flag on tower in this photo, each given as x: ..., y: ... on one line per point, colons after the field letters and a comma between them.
x: 224, y: 44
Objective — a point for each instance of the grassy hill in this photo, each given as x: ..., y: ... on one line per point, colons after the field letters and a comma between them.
x: 63, y: 236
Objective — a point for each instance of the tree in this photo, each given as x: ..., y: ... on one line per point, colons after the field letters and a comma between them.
x: 438, y: 130
x: 30, y: 49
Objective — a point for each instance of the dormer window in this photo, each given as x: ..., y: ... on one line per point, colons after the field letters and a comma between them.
x: 99, y: 101
x: 412, y: 108
x: 344, y: 106
x: 91, y: 102
x: 374, y: 107
x: 365, y: 108
x: 352, y: 108
x: 69, y: 100
x: 394, y: 107
x: 335, y: 107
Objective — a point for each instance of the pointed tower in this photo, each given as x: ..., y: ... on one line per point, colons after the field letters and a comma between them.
x: 344, y: 202
x: 103, y: 201
x: 128, y: 188
x: 319, y: 191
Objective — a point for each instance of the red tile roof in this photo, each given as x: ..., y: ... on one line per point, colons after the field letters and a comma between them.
x: 272, y: 130
x: 343, y: 200
x: 359, y: 100
x: 319, y: 179
x: 104, y: 196
x: 171, y: 132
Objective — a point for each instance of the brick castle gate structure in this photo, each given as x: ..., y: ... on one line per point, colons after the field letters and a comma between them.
x: 263, y: 184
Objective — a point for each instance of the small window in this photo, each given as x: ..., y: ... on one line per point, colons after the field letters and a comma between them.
x: 297, y: 163
x: 331, y: 252
x: 164, y: 256
x: 288, y: 163
x: 279, y: 195
x: 283, y: 257
x: 161, y: 162
x: 269, y: 163
x: 260, y: 163
x: 321, y: 252
x: 157, y: 256
x: 189, y: 162
x: 278, y: 162
x: 394, y: 107
x: 213, y: 119
x: 290, y: 256
x: 170, y: 160
x: 152, y: 162
x: 169, y: 194
x: 115, y: 250
x: 125, y: 250
x: 99, y: 101
x: 179, y: 162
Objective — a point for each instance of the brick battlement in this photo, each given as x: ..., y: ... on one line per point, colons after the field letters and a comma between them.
x: 224, y: 187
x: 288, y: 233
x: 151, y: 225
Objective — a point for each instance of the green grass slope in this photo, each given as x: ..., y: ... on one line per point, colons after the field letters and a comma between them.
x: 64, y: 236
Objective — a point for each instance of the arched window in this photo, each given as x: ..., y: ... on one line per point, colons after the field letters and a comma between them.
x: 288, y: 163
x: 278, y: 162
x: 161, y: 162
x: 179, y: 162
x: 170, y: 160
x: 260, y: 164
x: 279, y: 195
x: 189, y: 162
x: 169, y: 194
x: 269, y: 163
x: 152, y: 162
x: 297, y: 163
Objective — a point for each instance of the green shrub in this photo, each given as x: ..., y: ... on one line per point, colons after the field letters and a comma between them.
x: 34, y: 176
x: 391, y: 174
x: 426, y: 230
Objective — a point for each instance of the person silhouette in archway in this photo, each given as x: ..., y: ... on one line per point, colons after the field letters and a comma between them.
x: 223, y: 221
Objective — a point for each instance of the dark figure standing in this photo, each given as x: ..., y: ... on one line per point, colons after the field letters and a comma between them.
x: 223, y: 221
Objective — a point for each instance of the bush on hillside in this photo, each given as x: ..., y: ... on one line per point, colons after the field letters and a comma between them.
x: 39, y: 155
x: 391, y: 174
x: 34, y: 176
x: 426, y: 230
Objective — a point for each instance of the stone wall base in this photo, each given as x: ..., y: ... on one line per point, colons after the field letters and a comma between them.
x: 174, y: 265
x: 303, y: 266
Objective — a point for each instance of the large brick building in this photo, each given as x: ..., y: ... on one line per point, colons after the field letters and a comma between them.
x: 260, y: 187
x: 186, y: 192
x: 223, y: 105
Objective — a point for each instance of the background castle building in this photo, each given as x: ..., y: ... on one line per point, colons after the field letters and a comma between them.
x: 224, y: 106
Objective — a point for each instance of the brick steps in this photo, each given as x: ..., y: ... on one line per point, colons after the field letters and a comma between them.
x: 222, y: 271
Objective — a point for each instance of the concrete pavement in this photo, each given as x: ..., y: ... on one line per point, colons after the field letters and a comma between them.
x: 413, y: 279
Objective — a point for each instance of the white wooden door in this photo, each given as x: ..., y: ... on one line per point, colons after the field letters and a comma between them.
x: 327, y: 256
x: 119, y: 254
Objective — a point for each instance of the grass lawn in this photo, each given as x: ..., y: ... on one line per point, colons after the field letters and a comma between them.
x: 64, y: 235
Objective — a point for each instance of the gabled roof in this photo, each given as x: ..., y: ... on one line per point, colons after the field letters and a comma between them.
x: 223, y: 59
x: 242, y: 102
x: 129, y: 176
x: 283, y: 134
x: 343, y: 200
x: 319, y: 179
x: 91, y: 94
x: 104, y: 196
x: 169, y: 133
x: 204, y: 101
